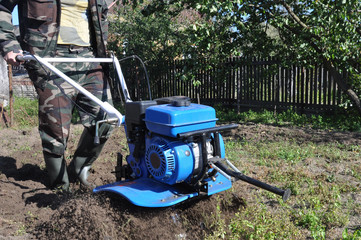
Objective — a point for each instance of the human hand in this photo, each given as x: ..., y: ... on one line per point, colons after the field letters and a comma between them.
x: 10, y: 58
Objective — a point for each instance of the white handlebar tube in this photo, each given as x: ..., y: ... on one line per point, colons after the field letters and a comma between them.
x: 109, y: 109
x: 121, y: 79
x: 113, y: 60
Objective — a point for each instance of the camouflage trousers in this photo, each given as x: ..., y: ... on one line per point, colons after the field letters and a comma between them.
x: 57, y: 99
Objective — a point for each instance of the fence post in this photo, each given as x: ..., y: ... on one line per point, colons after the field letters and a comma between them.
x: 11, y: 93
x: 238, y: 87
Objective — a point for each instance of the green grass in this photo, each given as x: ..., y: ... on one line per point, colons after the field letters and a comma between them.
x: 351, y: 236
x: 25, y: 112
x: 256, y: 221
x: 322, y: 177
x: 343, y: 121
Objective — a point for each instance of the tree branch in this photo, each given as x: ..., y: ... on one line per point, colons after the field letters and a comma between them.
x: 293, y: 15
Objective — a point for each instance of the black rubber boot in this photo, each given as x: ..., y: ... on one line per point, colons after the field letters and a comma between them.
x: 57, y: 173
x: 80, y: 169
x: 87, y: 152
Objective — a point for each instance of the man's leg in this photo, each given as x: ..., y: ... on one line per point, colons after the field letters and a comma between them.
x: 57, y: 173
x: 88, y: 151
x: 55, y: 111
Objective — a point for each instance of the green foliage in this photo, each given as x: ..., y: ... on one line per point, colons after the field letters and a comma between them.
x: 312, y: 221
x: 319, y: 215
x: 75, y: 118
x: 257, y: 222
x: 155, y: 37
x: 242, y: 26
x: 218, y: 225
x: 322, y: 210
x: 351, y: 236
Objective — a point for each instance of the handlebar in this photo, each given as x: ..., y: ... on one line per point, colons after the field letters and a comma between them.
x: 28, y: 57
x: 20, y: 58
x: 109, y: 109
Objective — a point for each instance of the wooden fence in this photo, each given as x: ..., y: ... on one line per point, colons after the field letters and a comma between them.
x: 240, y: 83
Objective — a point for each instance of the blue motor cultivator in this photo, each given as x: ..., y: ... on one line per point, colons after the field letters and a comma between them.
x: 176, y: 150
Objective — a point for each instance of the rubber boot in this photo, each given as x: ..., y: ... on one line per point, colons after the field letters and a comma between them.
x: 87, y: 152
x: 57, y: 173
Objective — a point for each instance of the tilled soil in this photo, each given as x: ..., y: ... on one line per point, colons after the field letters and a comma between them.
x: 29, y: 210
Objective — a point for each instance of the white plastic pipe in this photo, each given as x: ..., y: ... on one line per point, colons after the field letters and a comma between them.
x: 71, y: 60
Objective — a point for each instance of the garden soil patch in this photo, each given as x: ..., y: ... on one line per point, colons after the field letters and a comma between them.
x: 29, y: 210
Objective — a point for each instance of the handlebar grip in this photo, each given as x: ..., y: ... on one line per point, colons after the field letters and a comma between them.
x: 96, y: 140
x: 20, y: 58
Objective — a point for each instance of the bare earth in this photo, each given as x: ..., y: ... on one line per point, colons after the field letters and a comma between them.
x: 28, y: 210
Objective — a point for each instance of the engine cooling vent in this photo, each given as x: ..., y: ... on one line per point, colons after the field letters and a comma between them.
x: 159, y: 160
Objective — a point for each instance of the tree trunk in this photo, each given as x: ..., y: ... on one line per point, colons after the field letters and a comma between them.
x: 337, y: 76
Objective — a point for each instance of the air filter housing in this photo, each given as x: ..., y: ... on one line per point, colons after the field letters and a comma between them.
x: 170, y: 119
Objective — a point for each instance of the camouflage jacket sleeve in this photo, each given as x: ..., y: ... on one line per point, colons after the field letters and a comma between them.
x: 98, y: 12
x: 104, y: 20
x: 8, y: 41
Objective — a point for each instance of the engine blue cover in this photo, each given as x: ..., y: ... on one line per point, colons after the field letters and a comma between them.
x: 170, y: 120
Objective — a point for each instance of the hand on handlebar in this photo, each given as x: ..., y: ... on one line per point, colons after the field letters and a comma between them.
x: 13, y: 58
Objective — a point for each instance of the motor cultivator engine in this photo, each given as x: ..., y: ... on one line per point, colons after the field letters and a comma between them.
x: 176, y: 153
x: 158, y: 149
